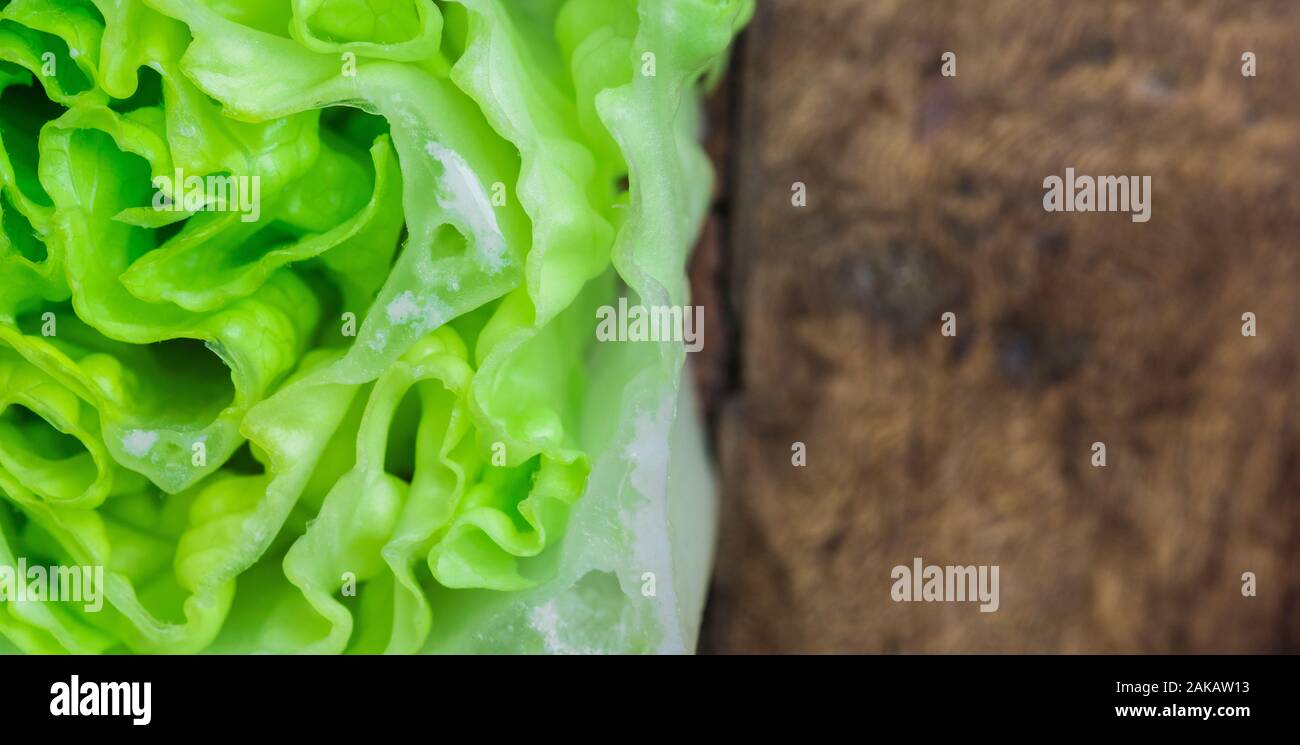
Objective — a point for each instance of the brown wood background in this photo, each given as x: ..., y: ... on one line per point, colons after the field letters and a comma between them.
x: 924, y: 196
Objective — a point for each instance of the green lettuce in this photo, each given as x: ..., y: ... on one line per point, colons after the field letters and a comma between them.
x: 364, y: 410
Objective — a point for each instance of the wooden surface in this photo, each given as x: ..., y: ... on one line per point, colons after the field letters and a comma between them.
x: 925, y: 196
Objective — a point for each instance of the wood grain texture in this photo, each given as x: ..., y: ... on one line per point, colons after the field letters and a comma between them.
x: 925, y: 196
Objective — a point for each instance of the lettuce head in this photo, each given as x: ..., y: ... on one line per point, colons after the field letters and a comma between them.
x: 298, y: 307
